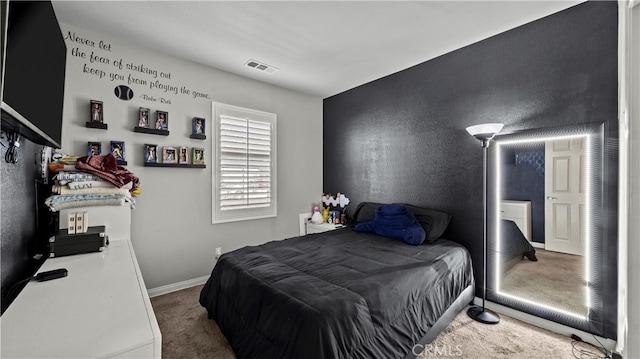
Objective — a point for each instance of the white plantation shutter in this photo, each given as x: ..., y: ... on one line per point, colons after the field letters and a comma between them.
x: 244, y: 181
x: 245, y: 159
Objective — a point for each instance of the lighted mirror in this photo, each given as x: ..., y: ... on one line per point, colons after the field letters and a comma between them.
x: 545, y: 217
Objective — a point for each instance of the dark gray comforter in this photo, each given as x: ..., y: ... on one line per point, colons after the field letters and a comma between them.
x: 338, y: 294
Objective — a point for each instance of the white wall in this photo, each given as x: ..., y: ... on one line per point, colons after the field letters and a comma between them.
x: 633, y: 286
x: 629, y: 245
x: 171, y: 230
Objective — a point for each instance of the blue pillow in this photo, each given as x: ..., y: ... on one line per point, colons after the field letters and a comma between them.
x: 432, y: 221
x: 394, y: 221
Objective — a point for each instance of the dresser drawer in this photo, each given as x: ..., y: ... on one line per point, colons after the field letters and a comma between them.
x: 520, y: 213
x: 509, y: 210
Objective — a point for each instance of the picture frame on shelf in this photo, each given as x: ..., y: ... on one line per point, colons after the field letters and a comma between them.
x: 94, y: 148
x: 169, y: 155
x: 143, y: 117
x: 199, y: 125
x: 96, y: 115
x: 162, y: 120
x: 198, y: 128
x: 197, y: 156
x: 118, y: 151
x: 150, y: 153
x: 183, y: 155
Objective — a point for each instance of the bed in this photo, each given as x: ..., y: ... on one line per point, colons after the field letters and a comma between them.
x: 338, y: 294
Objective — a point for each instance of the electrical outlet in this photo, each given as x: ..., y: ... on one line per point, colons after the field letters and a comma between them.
x: 218, y: 252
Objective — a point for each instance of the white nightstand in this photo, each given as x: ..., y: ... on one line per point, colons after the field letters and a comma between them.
x: 321, y: 227
x: 306, y: 227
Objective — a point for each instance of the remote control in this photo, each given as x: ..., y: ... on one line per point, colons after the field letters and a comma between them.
x: 52, y: 274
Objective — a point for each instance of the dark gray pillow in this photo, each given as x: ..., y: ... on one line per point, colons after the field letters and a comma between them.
x: 433, y: 222
x: 366, y: 211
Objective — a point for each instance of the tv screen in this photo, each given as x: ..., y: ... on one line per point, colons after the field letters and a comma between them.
x: 34, y: 71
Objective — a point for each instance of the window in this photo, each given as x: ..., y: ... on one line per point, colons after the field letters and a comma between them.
x: 244, y: 178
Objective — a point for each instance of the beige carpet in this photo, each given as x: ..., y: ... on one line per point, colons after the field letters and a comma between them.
x: 186, y: 330
x: 556, y: 279
x: 188, y: 334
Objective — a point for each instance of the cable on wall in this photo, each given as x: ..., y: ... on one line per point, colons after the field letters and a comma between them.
x: 11, y: 155
x: 586, y: 352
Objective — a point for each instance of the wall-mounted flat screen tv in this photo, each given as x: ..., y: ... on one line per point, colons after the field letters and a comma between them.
x: 34, y: 59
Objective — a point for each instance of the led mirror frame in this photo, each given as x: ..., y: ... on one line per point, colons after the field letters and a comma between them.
x: 587, y: 232
x: 594, y: 275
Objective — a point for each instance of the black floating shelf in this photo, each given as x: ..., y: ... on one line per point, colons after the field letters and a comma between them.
x: 98, y: 125
x: 155, y: 164
x: 198, y: 136
x: 152, y: 131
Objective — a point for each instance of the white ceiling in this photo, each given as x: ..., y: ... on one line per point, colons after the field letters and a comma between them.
x: 321, y: 48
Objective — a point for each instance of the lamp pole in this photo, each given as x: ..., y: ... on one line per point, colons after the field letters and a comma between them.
x: 485, y: 149
x: 484, y: 133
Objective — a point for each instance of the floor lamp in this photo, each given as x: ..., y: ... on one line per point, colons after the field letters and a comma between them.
x: 484, y: 133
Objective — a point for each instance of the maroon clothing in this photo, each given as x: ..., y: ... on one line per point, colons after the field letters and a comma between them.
x: 106, y: 167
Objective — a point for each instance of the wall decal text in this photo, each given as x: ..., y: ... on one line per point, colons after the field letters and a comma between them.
x: 100, y: 62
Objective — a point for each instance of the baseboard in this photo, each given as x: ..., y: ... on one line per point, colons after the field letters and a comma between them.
x: 537, y: 245
x: 169, y: 288
x: 547, y: 324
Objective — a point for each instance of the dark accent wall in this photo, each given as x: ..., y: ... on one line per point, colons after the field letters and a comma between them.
x: 523, y: 180
x: 402, y: 138
x: 20, y: 190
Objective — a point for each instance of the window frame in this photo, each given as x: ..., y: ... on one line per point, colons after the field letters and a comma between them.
x: 218, y: 215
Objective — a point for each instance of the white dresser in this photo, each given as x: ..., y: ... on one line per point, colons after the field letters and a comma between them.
x: 100, y: 310
x: 518, y: 212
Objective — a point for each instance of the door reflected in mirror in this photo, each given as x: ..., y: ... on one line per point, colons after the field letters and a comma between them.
x: 543, y: 222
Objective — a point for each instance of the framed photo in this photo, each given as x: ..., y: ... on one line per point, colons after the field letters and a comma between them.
x: 94, y: 148
x: 150, y: 153
x: 198, y: 125
x: 117, y: 150
x: 169, y: 155
x: 197, y: 156
x: 96, y: 112
x: 162, y: 120
x: 143, y: 117
x: 183, y: 155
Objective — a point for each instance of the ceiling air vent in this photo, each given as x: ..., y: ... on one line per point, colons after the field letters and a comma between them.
x: 261, y: 66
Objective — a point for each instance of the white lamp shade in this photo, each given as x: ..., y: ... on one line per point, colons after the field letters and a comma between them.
x: 485, y: 131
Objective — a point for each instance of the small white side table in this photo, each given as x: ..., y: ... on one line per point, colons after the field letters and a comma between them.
x: 322, y: 227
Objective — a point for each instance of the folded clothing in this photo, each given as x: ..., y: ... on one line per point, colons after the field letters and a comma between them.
x: 58, y: 202
x: 65, y: 177
x: 106, y: 167
x: 97, y: 190
x: 97, y: 183
x: 394, y: 221
x: 59, y: 166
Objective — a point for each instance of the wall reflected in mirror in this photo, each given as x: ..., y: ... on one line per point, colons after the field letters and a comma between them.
x: 543, y: 216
